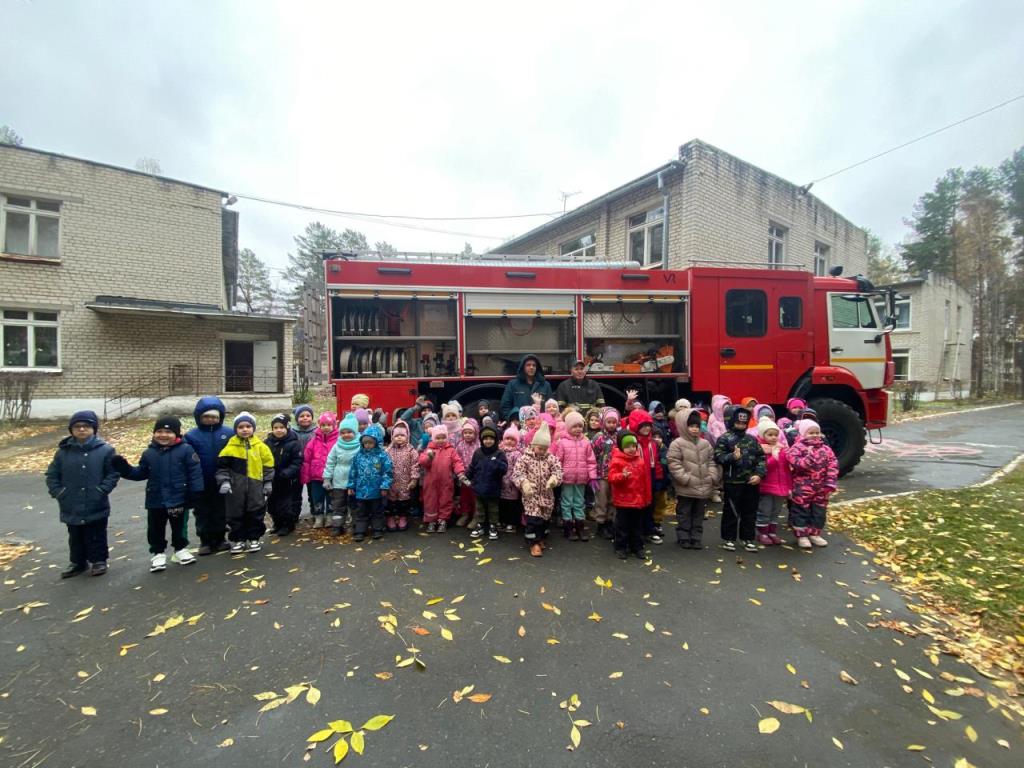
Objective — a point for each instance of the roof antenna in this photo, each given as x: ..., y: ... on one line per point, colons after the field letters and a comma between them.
x: 566, y: 196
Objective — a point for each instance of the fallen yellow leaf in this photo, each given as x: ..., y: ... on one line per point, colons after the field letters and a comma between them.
x: 479, y: 698
x: 340, y: 750
x: 838, y: 743
x: 503, y: 659
x: 971, y: 734
x: 89, y: 711
x: 226, y: 743
x: 377, y: 722
x: 158, y: 711
x: 614, y: 675
x: 768, y: 725
x: 357, y: 742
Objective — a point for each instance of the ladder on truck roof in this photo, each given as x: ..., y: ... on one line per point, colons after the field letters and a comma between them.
x: 503, y: 259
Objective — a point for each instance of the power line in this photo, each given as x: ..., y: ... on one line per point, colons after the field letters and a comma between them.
x: 919, y: 138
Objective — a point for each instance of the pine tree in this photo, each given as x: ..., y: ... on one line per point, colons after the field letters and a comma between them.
x: 384, y: 248
x: 305, y: 266
x: 9, y: 136
x: 884, y: 267
x: 255, y: 291
x: 933, y: 248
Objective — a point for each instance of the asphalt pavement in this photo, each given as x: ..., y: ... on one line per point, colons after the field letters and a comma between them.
x: 674, y: 663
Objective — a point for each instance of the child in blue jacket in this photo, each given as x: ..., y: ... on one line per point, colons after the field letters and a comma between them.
x: 174, y: 482
x: 368, y: 479
x: 208, y: 438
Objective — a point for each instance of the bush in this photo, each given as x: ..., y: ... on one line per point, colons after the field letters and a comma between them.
x: 302, y: 393
x: 909, y: 393
x: 16, y: 390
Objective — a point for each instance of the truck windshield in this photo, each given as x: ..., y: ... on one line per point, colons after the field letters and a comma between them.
x: 852, y: 311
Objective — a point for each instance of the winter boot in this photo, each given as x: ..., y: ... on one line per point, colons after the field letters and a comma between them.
x: 581, y: 531
x: 391, y: 522
x: 763, y: 537
x: 569, y: 531
x: 773, y: 533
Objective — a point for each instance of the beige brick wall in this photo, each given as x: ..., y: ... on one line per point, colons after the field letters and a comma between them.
x: 123, y: 234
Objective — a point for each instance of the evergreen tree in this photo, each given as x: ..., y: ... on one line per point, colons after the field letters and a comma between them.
x: 384, y: 248
x: 9, y: 136
x: 255, y: 291
x: 884, y: 266
x: 305, y: 266
x: 933, y: 247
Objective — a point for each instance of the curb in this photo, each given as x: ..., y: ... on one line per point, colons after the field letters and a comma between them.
x: 997, y: 475
x: 954, y: 413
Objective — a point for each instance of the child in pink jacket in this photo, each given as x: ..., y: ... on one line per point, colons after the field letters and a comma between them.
x: 314, y: 461
x: 776, y: 486
x: 579, y: 470
x: 510, y: 505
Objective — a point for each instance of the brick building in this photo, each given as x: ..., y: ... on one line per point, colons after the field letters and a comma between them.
x: 117, y: 287
x: 705, y: 207
x: 932, y: 340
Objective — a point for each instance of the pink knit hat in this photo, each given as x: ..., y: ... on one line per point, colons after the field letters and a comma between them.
x: 803, y: 426
x: 512, y: 432
x: 573, y: 418
x: 795, y: 402
x: 327, y: 418
x: 439, y: 430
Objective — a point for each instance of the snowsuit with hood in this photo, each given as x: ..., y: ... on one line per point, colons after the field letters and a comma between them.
x: 336, y: 471
x: 533, y: 475
x: 654, y: 457
x: 405, y: 466
x: 208, y: 442
x: 695, y: 476
x: 304, y: 435
x: 466, y: 448
x: 80, y: 477
x: 630, y: 480
x: 716, y: 422
x: 287, y: 453
x: 369, y: 479
x: 741, y: 497
x: 315, y: 461
x: 439, y: 465
x: 519, y: 391
x: 815, y: 478
x: 604, y: 442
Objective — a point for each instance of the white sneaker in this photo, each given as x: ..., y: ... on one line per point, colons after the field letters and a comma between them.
x: 804, y: 542
x: 477, y: 532
x: 158, y: 563
x: 184, y: 556
x: 254, y: 546
x: 818, y: 541
x: 237, y: 547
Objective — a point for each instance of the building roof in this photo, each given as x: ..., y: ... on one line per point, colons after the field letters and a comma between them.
x: 129, y: 305
x: 132, y: 171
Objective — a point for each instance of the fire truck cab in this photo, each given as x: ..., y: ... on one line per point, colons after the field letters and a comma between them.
x: 447, y: 328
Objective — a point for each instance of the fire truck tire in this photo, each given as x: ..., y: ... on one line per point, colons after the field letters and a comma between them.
x: 844, y: 430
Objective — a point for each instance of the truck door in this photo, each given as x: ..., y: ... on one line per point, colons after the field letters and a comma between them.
x: 746, y: 362
x: 855, y: 340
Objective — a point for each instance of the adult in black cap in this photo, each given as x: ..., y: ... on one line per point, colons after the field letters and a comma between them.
x: 579, y: 391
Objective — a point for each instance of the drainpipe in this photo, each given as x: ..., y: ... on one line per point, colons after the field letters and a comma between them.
x: 664, y: 219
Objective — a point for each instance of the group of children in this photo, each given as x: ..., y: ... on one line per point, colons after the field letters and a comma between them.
x: 622, y: 470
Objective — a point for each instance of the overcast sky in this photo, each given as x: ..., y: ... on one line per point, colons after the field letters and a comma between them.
x: 452, y: 109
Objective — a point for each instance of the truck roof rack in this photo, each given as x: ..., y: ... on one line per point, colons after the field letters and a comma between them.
x: 503, y: 259
x: 740, y: 264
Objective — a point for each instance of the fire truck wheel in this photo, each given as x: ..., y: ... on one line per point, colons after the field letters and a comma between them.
x: 844, y: 430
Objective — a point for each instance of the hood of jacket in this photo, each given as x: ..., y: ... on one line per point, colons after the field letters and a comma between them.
x: 656, y: 405
x: 763, y: 410
x: 375, y: 433
x: 637, y: 418
x: 205, y: 404
x: 718, y: 403
x: 539, y: 376
x: 682, y: 417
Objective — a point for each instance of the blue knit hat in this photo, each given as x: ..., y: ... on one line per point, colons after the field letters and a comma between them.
x: 244, y: 418
x: 300, y: 408
x: 89, y: 417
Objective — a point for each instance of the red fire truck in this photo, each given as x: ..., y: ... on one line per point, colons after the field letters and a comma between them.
x: 448, y: 328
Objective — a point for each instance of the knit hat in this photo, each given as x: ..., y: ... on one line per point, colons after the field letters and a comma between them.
x: 542, y: 436
x: 573, y: 419
x: 489, y: 432
x: 682, y: 403
x: 451, y: 408
x: 764, y: 424
x: 400, y: 428
x: 299, y: 409
x: 609, y: 411
x: 360, y: 401
x: 327, y: 418
x: 211, y: 412
x: 281, y: 418
x: 244, y: 418
x: 438, y: 430
x: 527, y: 412
x: 488, y: 421
x: 456, y: 405
x: 362, y: 415
x: 803, y: 426
x: 511, y: 431
x: 795, y: 402
x: 430, y: 420
x: 89, y: 417
x: 809, y: 413
x: 626, y: 439
x: 348, y: 424
x: 550, y: 401
x: 168, y: 421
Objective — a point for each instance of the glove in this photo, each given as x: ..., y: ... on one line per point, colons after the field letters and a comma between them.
x: 268, y: 488
x: 528, y: 488
x: 595, y: 485
x: 225, y: 488
x: 328, y: 485
x: 121, y: 464
x: 552, y: 482
x: 175, y: 512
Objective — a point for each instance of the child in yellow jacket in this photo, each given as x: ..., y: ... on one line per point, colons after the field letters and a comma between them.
x: 245, y: 476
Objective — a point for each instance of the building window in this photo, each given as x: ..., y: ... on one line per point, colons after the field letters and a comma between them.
x: 29, y: 339
x: 901, y: 362
x: 791, y: 311
x: 645, y: 231
x: 821, y: 259
x: 746, y: 313
x: 903, y: 314
x: 30, y: 227
x: 581, y: 248
x: 776, y: 245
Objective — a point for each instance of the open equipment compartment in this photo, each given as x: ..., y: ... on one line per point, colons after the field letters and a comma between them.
x: 390, y: 337
x: 635, y: 334
x: 502, y: 327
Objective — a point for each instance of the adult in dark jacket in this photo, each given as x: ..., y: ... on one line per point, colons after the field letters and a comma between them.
x: 208, y: 438
x: 175, y: 481
x: 529, y: 380
x: 486, y: 470
x: 743, y: 468
x: 579, y: 391
x: 80, y: 477
x: 287, y: 449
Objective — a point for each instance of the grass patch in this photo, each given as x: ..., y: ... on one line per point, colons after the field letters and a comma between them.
x: 961, y: 549
x: 944, y: 406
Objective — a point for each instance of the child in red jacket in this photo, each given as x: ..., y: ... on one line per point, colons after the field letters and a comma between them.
x: 630, y: 481
x: 438, y: 464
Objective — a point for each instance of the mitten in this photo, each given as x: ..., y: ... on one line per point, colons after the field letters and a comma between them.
x: 528, y: 488
x: 225, y: 487
x: 268, y: 488
x: 121, y: 464
x: 552, y: 482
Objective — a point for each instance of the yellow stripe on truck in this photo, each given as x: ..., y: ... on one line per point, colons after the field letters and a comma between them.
x: 766, y: 367
x: 858, y: 359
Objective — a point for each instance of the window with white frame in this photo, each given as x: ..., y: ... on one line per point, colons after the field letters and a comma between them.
x: 776, y: 245
x: 645, y: 232
x: 29, y: 339
x: 903, y: 314
x: 584, y: 247
x: 901, y: 362
x: 30, y: 227
x: 821, y: 259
